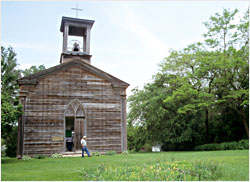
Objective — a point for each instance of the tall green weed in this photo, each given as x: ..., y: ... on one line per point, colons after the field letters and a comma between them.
x: 159, y: 171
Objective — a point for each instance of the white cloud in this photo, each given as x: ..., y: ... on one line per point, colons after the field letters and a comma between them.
x: 153, y: 45
x: 32, y: 46
x: 140, y: 59
x: 24, y: 66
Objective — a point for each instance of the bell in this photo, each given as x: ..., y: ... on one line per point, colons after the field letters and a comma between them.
x: 76, y: 47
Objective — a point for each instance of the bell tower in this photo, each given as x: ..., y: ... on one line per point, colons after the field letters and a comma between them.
x: 76, y: 39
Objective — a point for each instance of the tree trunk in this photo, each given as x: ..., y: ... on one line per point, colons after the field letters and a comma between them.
x: 207, y: 128
x: 244, y: 121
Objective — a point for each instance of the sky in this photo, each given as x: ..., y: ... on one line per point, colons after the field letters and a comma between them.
x: 128, y: 39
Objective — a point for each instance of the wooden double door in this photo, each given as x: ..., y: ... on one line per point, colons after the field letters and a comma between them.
x: 79, y: 132
x: 75, y: 123
x: 73, y: 133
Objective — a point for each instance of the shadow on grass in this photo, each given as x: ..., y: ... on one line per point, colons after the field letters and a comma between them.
x: 6, y: 160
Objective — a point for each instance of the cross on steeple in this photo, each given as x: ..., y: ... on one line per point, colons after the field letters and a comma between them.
x: 76, y: 9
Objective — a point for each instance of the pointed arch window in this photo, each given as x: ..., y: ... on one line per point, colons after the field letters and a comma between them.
x: 75, y: 109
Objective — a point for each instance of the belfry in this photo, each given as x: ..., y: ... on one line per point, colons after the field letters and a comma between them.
x: 80, y: 28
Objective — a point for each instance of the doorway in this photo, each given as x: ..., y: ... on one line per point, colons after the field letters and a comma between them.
x: 69, y: 133
x: 75, y: 126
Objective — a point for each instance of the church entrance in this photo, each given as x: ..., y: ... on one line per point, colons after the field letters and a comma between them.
x: 74, y: 126
x: 78, y: 132
x: 69, y: 133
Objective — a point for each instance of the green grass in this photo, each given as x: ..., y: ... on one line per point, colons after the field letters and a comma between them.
x: 233, y: 166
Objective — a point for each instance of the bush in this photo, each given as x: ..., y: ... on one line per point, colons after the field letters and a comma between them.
x: 243, y: 144
x: 3, y: 147
x: 40, y: 156
x: 125, y: 152
x: 11, y: 143
x: 148, y: 147
x: 96, y: 154
x: 56, y: 156
x: 132, y: 151
x: 230, y: 146
x: 136, y: 137
x: 207, y: 147
x: 112, y: 152
x: 26, y: 158
x: 183, y: 146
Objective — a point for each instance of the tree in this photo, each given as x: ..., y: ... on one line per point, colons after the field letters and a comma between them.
x: 220, y: 34
x: 195, y: 69
x: 32, y: 70
x: 159, y: 122
x: 219, y: 68
x: 232, y: 77
x: 11, y: 110
x: 199, y: 88
x: 9, y: 73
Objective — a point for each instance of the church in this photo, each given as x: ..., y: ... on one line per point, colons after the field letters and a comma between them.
x: 72, y: 99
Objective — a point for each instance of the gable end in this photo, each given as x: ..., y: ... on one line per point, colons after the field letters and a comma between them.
x: 34, y: 78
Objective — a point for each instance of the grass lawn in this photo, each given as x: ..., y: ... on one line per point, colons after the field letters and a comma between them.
x: 232, y: 166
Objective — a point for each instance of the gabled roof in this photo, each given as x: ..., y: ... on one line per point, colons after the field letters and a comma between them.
x: 34, y: 78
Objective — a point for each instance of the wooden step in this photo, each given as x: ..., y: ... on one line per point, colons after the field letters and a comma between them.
x: 74, y: 154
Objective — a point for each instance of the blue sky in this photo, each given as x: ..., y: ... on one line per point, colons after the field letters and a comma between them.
x: 128, y: 38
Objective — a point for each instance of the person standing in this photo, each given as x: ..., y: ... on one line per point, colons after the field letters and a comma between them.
x: 84, y: 146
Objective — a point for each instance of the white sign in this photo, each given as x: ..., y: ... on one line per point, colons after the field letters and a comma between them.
x: 156, y: 148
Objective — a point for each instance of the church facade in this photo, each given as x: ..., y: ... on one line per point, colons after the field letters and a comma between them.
x: 72, y: 99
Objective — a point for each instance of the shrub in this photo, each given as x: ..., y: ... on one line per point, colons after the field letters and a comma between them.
x: 243, y: 144
x: 207, y: 147
x: 148, y: 147
x: 3, y: 147
x: 229, y: 146
x: 125, y: 152
x: 112, y: 152
x: 26, y: 158
x: 183, y: 146
x: 136, y: 137
x: 38, y: 156
x: 133, y: 151
x: 11, y: 143
x: 96, y: 154
x: 56, y: 156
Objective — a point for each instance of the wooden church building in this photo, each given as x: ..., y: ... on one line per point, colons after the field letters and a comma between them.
x: 72, y: 99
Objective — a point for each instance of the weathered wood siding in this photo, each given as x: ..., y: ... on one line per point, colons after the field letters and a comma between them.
x: 45, y: 111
